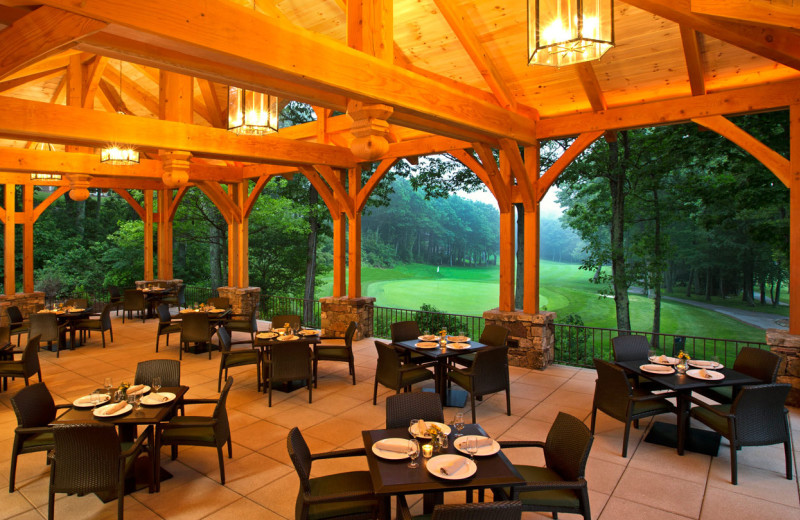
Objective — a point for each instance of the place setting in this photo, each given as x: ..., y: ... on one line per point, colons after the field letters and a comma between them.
x: 705, y: 374
x: 657, y: 369
x: 157, y: 398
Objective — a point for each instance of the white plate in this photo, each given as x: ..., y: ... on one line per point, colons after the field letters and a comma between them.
x: 705, y: 364
x: 669, y: 360
x: 142, y: 391
x: 98, y: 412
x: 78, y: 403
x: 715, y: 376
x: 438, y: 461
x: 458, y: 339
x: 288, y: 338
x: 662, y: 370
x: 157, y: 399
x: 429, y: 337
x: 427, y: 344
x: 460, y: 445
x: 267, y: 335
x: 459, y: 346
x: 443, y: 427
x: 308, y: 332
x: 387, y: 454
x: 278, y: 329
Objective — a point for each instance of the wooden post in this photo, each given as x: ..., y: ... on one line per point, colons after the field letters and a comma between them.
x: 238, y: 240
x: 339, y: 264
x: 507, y: 259
x: 9, y: 252
x: 530, y: 301
x: 27, y: 239
x: 148, y: 234
x: 354, y: 238
x: 164, y: 245
x: 794, y: 220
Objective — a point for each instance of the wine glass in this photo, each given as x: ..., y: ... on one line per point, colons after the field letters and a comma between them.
x: 412, y: 427
x: 108, y: 385
x: 458, y: 423
x: 96, y: 399
x: 412, y: 450
x: 472, y: 446
x: 715, y: 361
x: 157, y: 384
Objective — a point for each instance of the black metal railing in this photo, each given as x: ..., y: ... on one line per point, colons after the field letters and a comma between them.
x: 308, y: 310
x: 577, y: 345
x: 383, y: 318
x: 196, y: 294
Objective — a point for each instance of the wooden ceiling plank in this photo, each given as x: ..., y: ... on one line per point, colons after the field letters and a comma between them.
x: 212, y: 102
x: 215, y: 32
x: 758, y: 11
x: 694, y: 61
x: 591, y: 86
x: 459, y: 22
x: 43, y: 32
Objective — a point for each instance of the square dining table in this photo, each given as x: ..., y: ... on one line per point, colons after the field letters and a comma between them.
x: 266, y: 339
x: 683, y: 437
x: 394, y: 477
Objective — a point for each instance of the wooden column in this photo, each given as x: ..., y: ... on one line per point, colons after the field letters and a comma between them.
x: 8, y: 251
x: 794, y: 220
x: 27, y: 239
x: 354, y: 238
x: 339, y: 264
x: 530, y: 299
x: 238, y: 240
x: 164, y: 235
x: 507, y: 259
x: 148, y: 234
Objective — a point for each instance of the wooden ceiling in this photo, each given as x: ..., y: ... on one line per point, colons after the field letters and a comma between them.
x: 455, y: 68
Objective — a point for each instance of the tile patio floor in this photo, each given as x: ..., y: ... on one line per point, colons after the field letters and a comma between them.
x: 653, y: 482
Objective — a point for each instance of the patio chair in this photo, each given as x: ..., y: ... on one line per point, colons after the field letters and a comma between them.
x: 493, y: 335
x: 407, y: 331
x: 341, y: 353
x: 25, y: 367
x: 102, y: 324
x: 401, y: 408
x: 177, y: 297
x: 220, y: 302
x: 46, y: 326
x: 236, y: 358
x: 757, y: 417
x: 196, y: 328
x: 134, y: 301
x: 393, y: 373
x: 280, y: 320
x: 115, y: 298
x: 487, y: 374
x: 614, y: 395
x: 169, y: 370
x: 503, y: 510
x: 89, y: 458
x: 761, y: 364
x: 247, y: 323
x: 191, y: 430
x: 18, y: 325
x: 630, y: 348
x: 560, y: 486
x: 340, y: 495
x: 288, y: 361
x: 165, y: 324
x: 35, y: 410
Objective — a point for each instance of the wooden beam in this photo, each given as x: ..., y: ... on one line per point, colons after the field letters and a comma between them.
x: 40, y: 34
x: 175, y: 96
x: 774, y: 161
x: 532, y: 237
x: 501, y: 189
x: 518, y: 169
x: 27, y: 239
x: 354, y: 237
x: 221, y: 200
x: 132, y: 89
x: 132, y: 202
x: 425, y: 146
x: 345, y: 200
x: 775, y: 96
x: 23, y: 160
x: 92, y: 80
x: 324, y: 191
x: 767, y: 12
x: 213, y: 104
x: 253, y: 197
x: 111, y: 95
x: 369, y: 27
x: 148, y: 219
x: 11, y: 84
x: 173, y: 206
x: 9, y: 253
x: 35, y: 121
x: 507, y: 260
x: 778, y: 44
x: 591, y: 86
x: 216, y: 32
x: 694, y: 61
x: 575, y: 149
x: 39, y: 209
x: 379, y: 173
x: 459, y: 21
x: 794, y: 220
x: 475, y: 167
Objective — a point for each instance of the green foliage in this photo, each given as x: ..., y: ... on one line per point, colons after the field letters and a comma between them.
x: 431, y: 319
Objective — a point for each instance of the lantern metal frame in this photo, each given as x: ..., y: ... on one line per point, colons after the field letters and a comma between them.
x: 573, y: 45
x: 41, y: 176
x: 251, y: 112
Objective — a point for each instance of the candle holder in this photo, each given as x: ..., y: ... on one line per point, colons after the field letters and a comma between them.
x: 427, y: 450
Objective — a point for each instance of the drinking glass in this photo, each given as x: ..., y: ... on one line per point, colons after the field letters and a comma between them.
x: 651, y: 354
x: 108, y: 385
x: 458, y: 423
x: 413, y: 452
x: 715, y: 360
x: 156, y: 384
x: 196, y: 306
x: 412, y: 427
x: 472, y: 446
x: 96, y: 399
x: 131, y: 398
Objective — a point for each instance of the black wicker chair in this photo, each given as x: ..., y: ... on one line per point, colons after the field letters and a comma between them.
x: 18, y: 324
x: 236, y: 358
x: 35, y: 410
x: 401, y: 408
x: 189, y: 430
x: 757, y: 417
x: 165, y: 324
x: 89, y: 458
x: 761, y: 364
x: 341, y: 353
x: 487, y: 374
x: 493, y: 335
x: 560, y: 486
x: 46, y: 326
x: 25, y: 367
x: 196, y: 328
x: 614, y: 395
x: 178, y: 297
x: 6, y: 348
x: 341, y: 495
x: 134, y: 301
x: 280, y: 320
x: 247, y: 323
x: 503, y: 510
x: 407, y: 331
x: 102, y: 324
x: 289, y: 361
x: 392, y: 373
x: 630, y: 348
x: 169, y: 370
x: 115, y: 298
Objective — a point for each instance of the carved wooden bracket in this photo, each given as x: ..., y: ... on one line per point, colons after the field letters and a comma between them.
x: 78, y: 186
x: 176, y: 168
x: 370, y: 128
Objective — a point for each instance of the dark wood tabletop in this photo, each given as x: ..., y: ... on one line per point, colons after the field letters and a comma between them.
x: 438, y: 353
x: 147, y: 414
x: 683, y: 382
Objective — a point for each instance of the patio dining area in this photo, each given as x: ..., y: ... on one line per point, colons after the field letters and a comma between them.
x: 652, y: 482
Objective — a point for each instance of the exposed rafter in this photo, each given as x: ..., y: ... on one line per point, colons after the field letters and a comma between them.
x: 694, y: 60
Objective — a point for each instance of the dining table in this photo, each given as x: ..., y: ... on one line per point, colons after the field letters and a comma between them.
x: 266, y: 339
x: 153, y: 296
x: 216, y: 317
x: 393, y: 477
x: 69, y: 316
x: 683, y: 437
x: 454, y: 397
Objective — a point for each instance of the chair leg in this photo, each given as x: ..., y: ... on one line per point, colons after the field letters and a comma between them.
x: 51, y: 504
x: 625, y: 438
x: 158, y: 336
x: 174, y: 450
x: 13, y: 471
x: 230, y: 447
x: 221, y: 465
x: 103, y: 333
x: 787, y: 449
x: 269, y: 392
x: 472, y: 399
x: 508, y: 401
x: 315, y: 372
x: 121, y: 499
x: 594, y: 419
x: 111, y: 335
x: 375, y: 392
x: 353, y: 370
x: 219, y: 378
x: 734, y: 465
x: 309, y: 390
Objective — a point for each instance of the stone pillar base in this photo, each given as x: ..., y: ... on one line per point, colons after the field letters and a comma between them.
x: 28, y: 304
x: 243, y: 299
x: 167, y: 284
x: 787, y: 346
x: 530, y: 339
x: 337, y: 313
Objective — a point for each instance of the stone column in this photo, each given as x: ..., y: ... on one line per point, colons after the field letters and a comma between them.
x: 243, y: 299
x: 337, y: 313
x: 531, y: 336
x: 173, y: 283
x: 28, y: 304
x: 787, y: 346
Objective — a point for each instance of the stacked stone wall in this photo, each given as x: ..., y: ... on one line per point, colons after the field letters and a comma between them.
x: 531, y: 336
x: 787, y: 346
x: 243, y: 299
x: 337, y: 313
x: 28, y: 303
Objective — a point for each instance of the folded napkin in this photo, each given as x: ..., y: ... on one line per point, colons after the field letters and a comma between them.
x: 704, y: 374
x: 396, y: 445
x: 427, y: 337
x: 657, y: 368
x: 663, y: 359
x: 135, y: 388
x: 114, y: 408
x: 422, y: 428
x: 485, y: 441
x: 453, y: 467
x: 85, y: 400
x: 701, y: 363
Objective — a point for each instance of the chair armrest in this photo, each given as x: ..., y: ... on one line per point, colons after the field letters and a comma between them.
x: 60, y: 406
x: 199, y: 401
x: 34, y: 429
x: 467, y: 372
x: 339, y: 497
x: 653, y: 397
x: 544, y: 486
x: 188, y: 424
x: 355, y: 452
x: 521, y: 444
x: 710, y: 408
x: 407, y: 367
x: 137, y: 445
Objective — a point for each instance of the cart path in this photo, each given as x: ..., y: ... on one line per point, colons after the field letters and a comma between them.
x: 762, y: 320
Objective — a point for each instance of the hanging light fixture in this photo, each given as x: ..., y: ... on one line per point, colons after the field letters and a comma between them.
x: 251, y: 113
x: 115, y: 154
x: 563, y: 32
x: 40, y: 176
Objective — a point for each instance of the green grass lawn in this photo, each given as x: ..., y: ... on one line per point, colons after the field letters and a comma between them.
x: 565, y: 289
